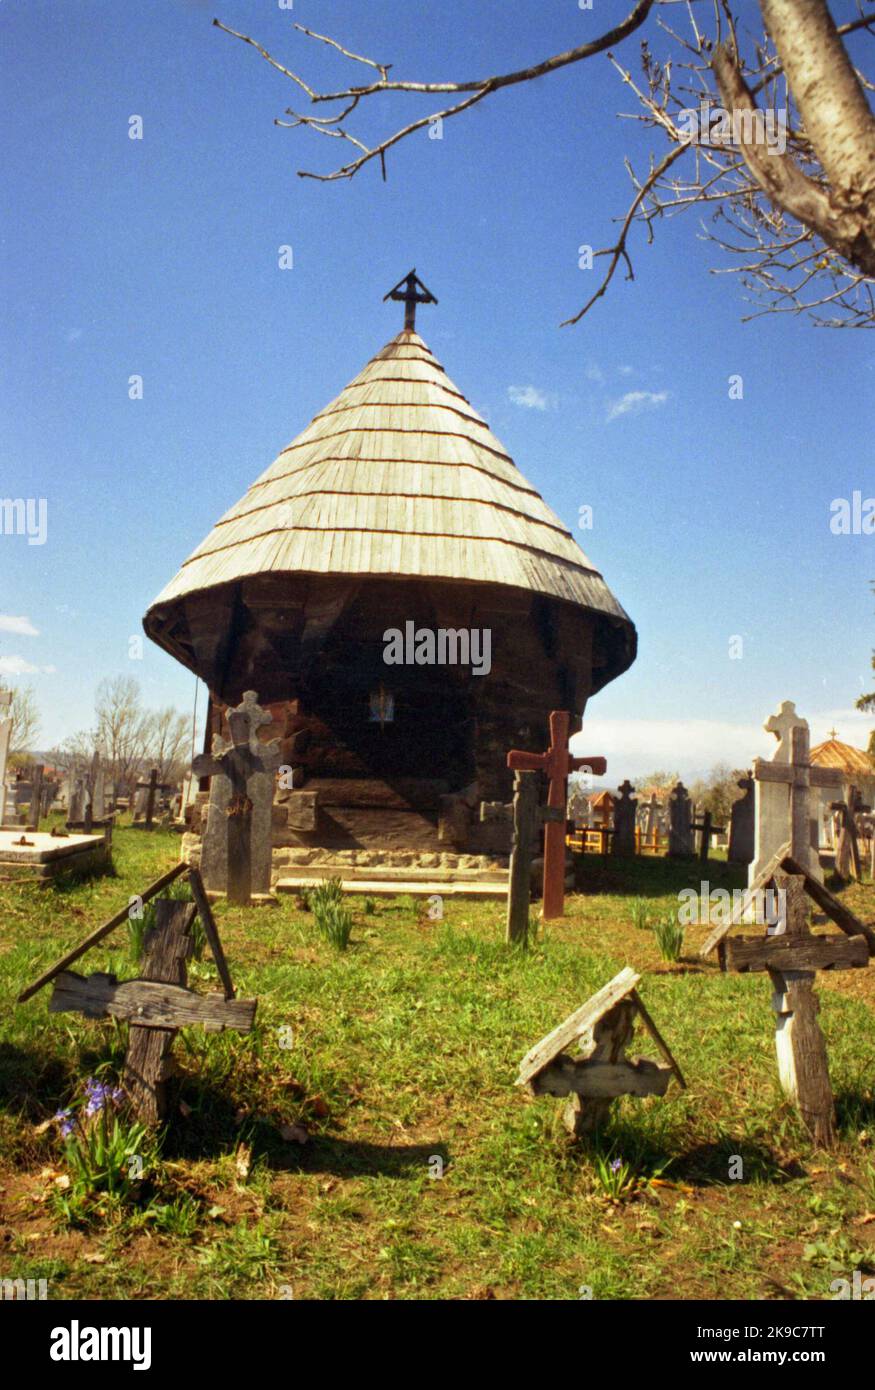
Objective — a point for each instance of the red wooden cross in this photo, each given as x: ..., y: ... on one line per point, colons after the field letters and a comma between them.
x: 556, y: 763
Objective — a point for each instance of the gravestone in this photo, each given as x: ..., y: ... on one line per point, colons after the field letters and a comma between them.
x: 784, y: 805
x: 237, y: 840
x: 623, y: 840
x: 680, y: 826
x: 742, y: 824
x: 76, y: 800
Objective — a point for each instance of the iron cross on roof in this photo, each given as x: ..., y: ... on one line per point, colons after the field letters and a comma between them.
x: 411, y: 296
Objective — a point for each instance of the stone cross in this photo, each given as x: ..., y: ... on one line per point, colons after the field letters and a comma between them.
x: 623, y: 839
x: 526, y: 815
x: 741, y: 824
x: 783, y: 795
x: 237, y: 841
x: 555, y: 763
x: 680, y: 827
x: 5, y: 735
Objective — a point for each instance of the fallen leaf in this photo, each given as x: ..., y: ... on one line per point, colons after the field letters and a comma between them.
x: 184, y: 1110
x: 63, y: 1181
x: 243, y: 1160
x: 94, y: 1258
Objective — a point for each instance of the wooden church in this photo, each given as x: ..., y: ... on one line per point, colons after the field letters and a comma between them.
x: 405, y: 604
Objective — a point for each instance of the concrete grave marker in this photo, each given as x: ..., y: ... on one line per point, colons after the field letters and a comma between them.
x: 680, y: 825
x: 784, y: 810
x: 625, y: 806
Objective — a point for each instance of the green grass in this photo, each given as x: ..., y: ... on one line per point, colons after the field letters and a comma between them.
x: 426, y: 1172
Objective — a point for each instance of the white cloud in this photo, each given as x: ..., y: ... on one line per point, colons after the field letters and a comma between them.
x: 17, y: 666
x: 595, y: 373
x: 634, y: 402
x: 22, y: 626
x: 530, y: 397
x: 625, y: 371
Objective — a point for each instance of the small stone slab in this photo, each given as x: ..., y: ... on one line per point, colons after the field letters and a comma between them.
x: 390, y: 888
x: 42, y: 848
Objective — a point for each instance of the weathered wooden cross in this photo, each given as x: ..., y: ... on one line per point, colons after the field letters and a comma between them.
x: 555, y: 763
x: 237, y: 840
x: 601, y: 1072
x: 526, y: 815
x: 792, y: 956
x: 705, y: 828
x: 847, y: 855
x: 158, y: 1003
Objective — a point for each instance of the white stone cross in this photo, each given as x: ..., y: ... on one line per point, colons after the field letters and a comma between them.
x: 784, y: 806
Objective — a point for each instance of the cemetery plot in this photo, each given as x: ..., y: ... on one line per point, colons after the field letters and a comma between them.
x: 38, y: 855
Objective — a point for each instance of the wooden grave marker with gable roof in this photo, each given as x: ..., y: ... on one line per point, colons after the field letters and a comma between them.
x: 600, y: 1072
x: 158, y: 1003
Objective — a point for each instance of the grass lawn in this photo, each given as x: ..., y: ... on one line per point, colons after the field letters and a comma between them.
x: 425, y: 1172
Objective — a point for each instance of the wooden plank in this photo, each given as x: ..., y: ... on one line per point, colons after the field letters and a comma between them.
x: 148, y: 1056
x: 786, y: 952
x: 149, y: 1004
x: 208, y: 922
x: 584, y: 1018
x: 842, y: 917
x: 747, y: 901
x: 657, y: 1037
x: 100, y: 932
x: 603, y: 1080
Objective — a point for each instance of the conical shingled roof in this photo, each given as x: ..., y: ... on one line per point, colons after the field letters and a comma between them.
x: 399, y: 476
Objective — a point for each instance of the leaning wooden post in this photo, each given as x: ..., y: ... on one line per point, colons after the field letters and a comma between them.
x: 526, y: 815
x: 150, y: 797
x: 36, y: 797
x: 148, y: 1064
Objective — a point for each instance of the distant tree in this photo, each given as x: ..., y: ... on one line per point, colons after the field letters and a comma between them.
x: 795, y: 215
x: 123, y: 728
x: 657, y: 781
x: 717, y: 791
x: 166, y: 743
x: 25, y: 719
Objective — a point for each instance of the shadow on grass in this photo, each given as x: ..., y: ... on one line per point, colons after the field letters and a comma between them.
x: 213, y: 1129
x: 703, y: 1165
x: 652, y: 876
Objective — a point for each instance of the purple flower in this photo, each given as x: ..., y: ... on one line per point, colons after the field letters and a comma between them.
x: 616, y: 1165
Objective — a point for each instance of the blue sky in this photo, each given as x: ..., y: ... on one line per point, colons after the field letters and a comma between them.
x: 158, y: 257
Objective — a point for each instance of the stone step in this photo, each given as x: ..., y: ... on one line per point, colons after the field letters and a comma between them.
x: 416, y: 888
x: 315, y: 873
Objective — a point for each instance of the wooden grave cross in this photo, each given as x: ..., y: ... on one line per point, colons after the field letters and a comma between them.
x: 555, y: 763
x: 525, y: 815
x: 792, y: 956
x: 705, y: 829
x: 847, y: 854
x: 237, y: 839
x: 158, y: 1003
x: 36, y: 797
x: 601, y: 1072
